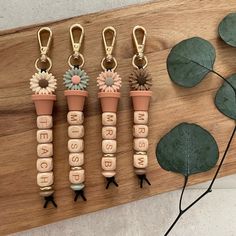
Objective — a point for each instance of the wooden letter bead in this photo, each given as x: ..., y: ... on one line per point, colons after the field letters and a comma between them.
x: 76, y: 159
x: 45, y: 150
x: 76, y: 131
x: 140, y: 161
x: 140, y: 131
x: 45, y: 179
x: 141, y: 117
x: 108, y: 163
x: 109, y: 132
x: 109, y: 146
x: 76, y: 176
x: 44, y: 136
x: 44, y: 164
x: 108, y: 118
x: 44, y: 122
x: 76, y: 145
x: 141, y: 144
x: 75, y: 117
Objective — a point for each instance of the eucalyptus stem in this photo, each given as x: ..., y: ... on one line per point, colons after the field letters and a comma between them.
x: 209, y: 189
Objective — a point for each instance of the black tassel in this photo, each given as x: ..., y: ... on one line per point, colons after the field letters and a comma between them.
x: 111, y: 180
x: 49, y: 199
x: 142, y: 179
x: 79, y: 193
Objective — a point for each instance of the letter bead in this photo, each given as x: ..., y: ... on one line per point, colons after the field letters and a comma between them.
x: 109, y: 132
x: 140, y: 161
x: 141, y: 117
x: 140, y: 131
x: 76, y: 159
x: 108, y: 163
x: 45, y: 150
x: 44, y: 164
x: 141, y: 144
x: 45, y: 179
x: 75, y: 117
x: 44, y: 136
x: 108, y: 118
x: 109, y: 146
x: 76, y: 145
x: 76, y: 176
x: 76, y: 131
x: 44, y: 122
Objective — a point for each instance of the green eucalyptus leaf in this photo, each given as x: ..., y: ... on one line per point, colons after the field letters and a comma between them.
x: 227, y: 29
x: 225, y: 98
x: 187, y: 149
x: 190, y: 61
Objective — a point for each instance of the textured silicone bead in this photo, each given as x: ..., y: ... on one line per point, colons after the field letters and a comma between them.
x: 141, y: 117
x: 45, y: 150
x: 44, y: 122
x: 45, y: 179
x: 75, y: 117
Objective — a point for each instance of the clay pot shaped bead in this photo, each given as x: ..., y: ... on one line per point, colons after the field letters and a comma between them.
x: 43, y: 84
x: 140, y: 83
x: 109, y: 84
x: 76, y: 82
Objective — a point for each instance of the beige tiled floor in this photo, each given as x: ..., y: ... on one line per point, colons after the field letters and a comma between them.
x: 214, y: 216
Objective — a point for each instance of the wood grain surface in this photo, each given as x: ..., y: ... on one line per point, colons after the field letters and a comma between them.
x: 167, y: 23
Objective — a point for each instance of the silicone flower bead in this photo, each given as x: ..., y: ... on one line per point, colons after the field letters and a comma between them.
x: 109, y: 81
x: 76, y: 79
x: 140, y: 79
x: 43, y: 83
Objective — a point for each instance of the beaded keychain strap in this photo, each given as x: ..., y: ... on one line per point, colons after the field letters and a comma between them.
x: 43, y: 84
x: 76, y: 82
x: 109, y: 83
x: 140, y: 83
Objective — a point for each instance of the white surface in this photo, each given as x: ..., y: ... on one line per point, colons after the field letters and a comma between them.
x: 214, y: 215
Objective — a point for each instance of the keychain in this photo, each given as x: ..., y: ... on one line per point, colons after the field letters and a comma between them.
x: 140, y: 83
x: 43, y: 84
x: 109, y: 84
x: 76, y: 82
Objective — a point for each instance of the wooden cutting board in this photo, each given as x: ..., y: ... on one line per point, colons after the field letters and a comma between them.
x: 167, y: 23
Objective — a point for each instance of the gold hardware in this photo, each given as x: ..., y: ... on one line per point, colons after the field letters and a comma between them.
x: 76, y: 45
x: 109, y: 48
x: 139, y: 46
x: 44, y: 48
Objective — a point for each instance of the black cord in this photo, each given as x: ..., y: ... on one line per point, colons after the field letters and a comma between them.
x: 111, y: 180
x: 79, y: 193
x: 142, y: 179
x: 49, y: 199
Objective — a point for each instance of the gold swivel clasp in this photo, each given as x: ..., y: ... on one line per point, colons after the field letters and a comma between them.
x: 139, y: 60
x: 110, y: 60
x: 44, y: 47
x: 76, y: 36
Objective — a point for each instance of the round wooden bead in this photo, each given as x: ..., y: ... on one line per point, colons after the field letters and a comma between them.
x: 77, y: 187
x: 46, y: 193
x: 108, y: 174
x: 140, y: 171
